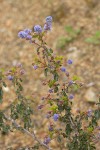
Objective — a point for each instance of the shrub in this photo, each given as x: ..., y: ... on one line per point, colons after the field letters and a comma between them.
x: 77, y: 131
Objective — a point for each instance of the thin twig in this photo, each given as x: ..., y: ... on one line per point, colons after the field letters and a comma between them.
x: 27, y: 132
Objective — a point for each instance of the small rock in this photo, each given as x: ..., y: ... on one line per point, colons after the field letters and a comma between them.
x: 90, y: 96
x: 6, y: 89
x: 90, y: 84
x: 72, y: 49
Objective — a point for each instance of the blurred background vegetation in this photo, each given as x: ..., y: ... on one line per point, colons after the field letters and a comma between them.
x: 75, y: 35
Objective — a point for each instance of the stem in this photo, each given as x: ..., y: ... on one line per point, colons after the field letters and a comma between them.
x: 36, y: 43
x: 27, y: 132
x: 73, y: 125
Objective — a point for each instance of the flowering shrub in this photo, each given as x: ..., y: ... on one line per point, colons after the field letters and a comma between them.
x: 77, y: 131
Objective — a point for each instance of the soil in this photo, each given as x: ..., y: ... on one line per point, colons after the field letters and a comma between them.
x: 15, y: 15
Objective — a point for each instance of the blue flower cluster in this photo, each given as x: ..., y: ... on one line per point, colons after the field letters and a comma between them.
x: 38, y: 29
x: 48, y: 24
x: 25, y: 34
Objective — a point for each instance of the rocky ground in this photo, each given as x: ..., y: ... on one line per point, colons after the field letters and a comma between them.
x: 81, y: 14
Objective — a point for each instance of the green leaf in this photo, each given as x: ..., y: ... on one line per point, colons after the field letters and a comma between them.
x: 35, y: 147
x: 69, y: 39
x: 56, y: 89
x: 97, y: 114
x: 45, y: 71
x: 68, y: 129
x: 72, y: 32
x: 61, y: 42
x: 35, y: 35
x: 59, y: 139
x: 54, y: 108
x: 90, y: 129
x: 51, y: 83
x: 1, y: 94
x: 65, y: 98
x: 69, y: 29
x: 5, y: 129
x: 75, y: 87
x: 97, y: 34
x: 58, y: 58
x: 48, y: 52
x: 75, y: 78
x: 56, y: 76
x: 38, y: 49
x: 92, y: 40
x: 4, y: 84
x: 51, y: 50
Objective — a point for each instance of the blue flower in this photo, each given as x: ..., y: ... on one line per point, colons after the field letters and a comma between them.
x: 55, y: 117
x: 50, y: 90
x: 48, y: 23
x: 48, y: 19
x: 63, y: 69
x: 29, y: 37
x: 35, y: 67
x: 37, y: 29
x: 71, y: 96
x: 70, y: 82
x: 51, y: 128
x: 22, y: 34
x: 69, y: 61
x: 47, y: 26
x: 28, y: 31
x: 47, y: 140
x: 89, y: 113
x: 10, y: 77
x: 25, y: 34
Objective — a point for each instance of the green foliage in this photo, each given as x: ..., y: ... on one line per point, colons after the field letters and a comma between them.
x: 72, y: 34
x: 1, y: 94
x: 75, y: 78
x: 62, y: 41
x: 94, y: 39
x: 58, y: 100
x: 4, y: 127
x: 22, y: 111
x: 2, y: 84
